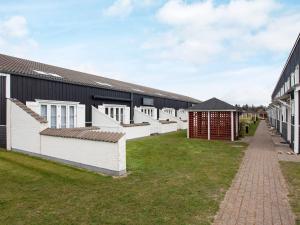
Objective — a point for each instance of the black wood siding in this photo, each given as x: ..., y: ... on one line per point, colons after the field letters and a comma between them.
x: 29, y: 89
x: 2, y: 112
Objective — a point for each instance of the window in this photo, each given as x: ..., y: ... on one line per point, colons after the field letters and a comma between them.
x: 63, y: 116
x: 53, y: 116
x: 117, y: 114
x: 292, y: 79
x: 71, y: 116
x: 293, y: 108
x: 44, y: 111
x: 112, y: 112
x: 122, y: 115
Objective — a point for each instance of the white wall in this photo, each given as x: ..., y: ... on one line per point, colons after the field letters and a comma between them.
x: 137, y: 131
x: 140, y: 117
x: 106, y: 123
x: 24, y: 135
x: 165, y: 116
x: 22, y: 129
x: 182, y: 114
x: 166, y: 128
x: 103, y: 155
x: 80, y: 115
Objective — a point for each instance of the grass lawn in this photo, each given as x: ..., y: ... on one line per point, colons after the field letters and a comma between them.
x: 291, y: 171
x: 172, y: 180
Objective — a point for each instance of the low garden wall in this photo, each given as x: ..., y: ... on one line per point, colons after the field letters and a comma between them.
x: 100, y: 156
x: 132, y: 131
x: 88, y: 148
x: 181, y: 124
x: 167, y: 126
x: 140, y: 117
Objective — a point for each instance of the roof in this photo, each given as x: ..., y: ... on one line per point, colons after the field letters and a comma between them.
x: 286, y: 64
x: 33, y: 114
x: 24, y: 67
x: 213, y: 104
x: 85, y: 133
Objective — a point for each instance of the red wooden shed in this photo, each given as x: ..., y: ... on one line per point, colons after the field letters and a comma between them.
x: 213, y: 120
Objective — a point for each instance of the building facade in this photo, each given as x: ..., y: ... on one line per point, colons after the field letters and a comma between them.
x: 65, y: 97
x: 283, y: 112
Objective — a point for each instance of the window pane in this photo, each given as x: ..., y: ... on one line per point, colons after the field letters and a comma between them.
x: 117, y: 114
x: 71, y: 116
x: 106, y: 111
x: 53, y: 116
x: 111, y: 112
x: 63, y: 116
x: 44, y: 111
x: 121, y: 114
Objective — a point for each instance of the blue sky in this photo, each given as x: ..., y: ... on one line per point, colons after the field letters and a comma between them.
x: 234, y: 50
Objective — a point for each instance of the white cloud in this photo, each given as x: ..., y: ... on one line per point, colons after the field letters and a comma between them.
x: 15, y: 26
x: 251, y: 85
x: 15, y: 37
x: 200, y: 31
x: 123, y: 8
x: 119, y: 8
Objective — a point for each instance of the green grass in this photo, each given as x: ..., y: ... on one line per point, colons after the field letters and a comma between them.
x: 252, y: 127
x: 291, y: 172
x: 171, y: 180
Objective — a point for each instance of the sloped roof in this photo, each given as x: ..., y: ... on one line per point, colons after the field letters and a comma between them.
x: 85, y: 133
x: 33, y: 114
x: 213, y: 104
x: 24, y: 67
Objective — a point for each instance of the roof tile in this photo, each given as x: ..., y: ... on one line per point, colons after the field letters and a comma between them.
x: 213, y: 104
x: 85, y: 133
x: 23, y: 67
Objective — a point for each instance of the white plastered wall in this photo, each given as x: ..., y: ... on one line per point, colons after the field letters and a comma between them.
x: 23, y: 131
x: 24, y: 135
x: 108, y: 156
x: 140, y: 117
x: 167, y: 128
x: 106, y: 123
x: 182, y: 114
x: 166, y: 116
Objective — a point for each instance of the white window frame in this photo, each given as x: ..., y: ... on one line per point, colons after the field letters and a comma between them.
x: 148, y: 110
x: 58, y: 105
x: 114, y: 110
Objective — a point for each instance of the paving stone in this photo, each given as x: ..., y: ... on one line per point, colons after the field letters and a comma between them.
x: 258, y: 194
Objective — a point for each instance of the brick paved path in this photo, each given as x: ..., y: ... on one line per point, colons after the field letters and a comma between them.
x: 258, y: 194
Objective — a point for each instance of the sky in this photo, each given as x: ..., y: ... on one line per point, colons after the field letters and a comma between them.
x: 234, y: 50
